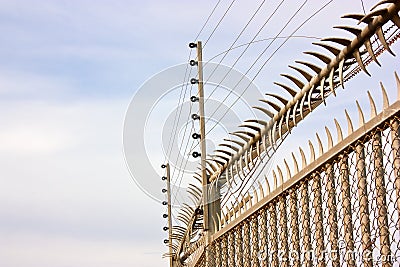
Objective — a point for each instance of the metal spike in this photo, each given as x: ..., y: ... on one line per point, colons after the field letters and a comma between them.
x: 381, y: 36
x: 280, y: 127
x: 294, y: 110
x: 246, y: 159
x: 272, y: 104
x: 369, y: 17
x: 287, y: 116
x: 275, y: 180
x: 302, y: 72
x: 331, y: 85
x: 398, y: 85
x: 267, y: 187
x: 396, y: 20
x: 287, y: 88
x: 372, y: 105
x: 294, y: 80
x: 349, y: 29
x: 312, y: 151
x: 295, y: 164
x: 266, y: 111
x: 241, y: 166
x: 261, y: 189
x: 235, y: 141
x: 261, y: 122
x: 230, y: 146
x: 245, y: 138
x: 224, y: 151
x: 303, y: 158
x: 245, y: 133
x: 339, y: 131
x: 341, y: 41
x: 253, y: 127
x: 341, y: 65
x: 281, y: 99
x: 330, y: 48
x: 310, y: 65
x: 370, y: 50
x: 215, y: 224
x: 321, y: 89
x: 264, y: 142
x: 320, y: 146
x: 320, y: 56
x: 357, y: 17
x: 288, y: 173
x: 357, y: 56
x: 383, y: 2
x: 360, y: 115
x: 256, y: 199
x: 258, y: 150
x: 249, y: 200
x: 280, y: 175
x: 350, y: 128
x: 330, y: 139
x: 384, y: 97
x: 309, y: 98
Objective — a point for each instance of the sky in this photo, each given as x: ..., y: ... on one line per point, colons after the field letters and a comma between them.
x: 68, y: 73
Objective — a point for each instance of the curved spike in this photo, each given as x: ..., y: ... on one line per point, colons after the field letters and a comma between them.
x: 258, y: 150
x: 266, y: 111
x: 381, y: 37
x: 370, y: 50
x: 241, y: 166
x: 230, y: 146
x: 330, y: 48
x: 288, y: 173
x: 339, y: 131
x: 214, y: 222
x: 295, y: 164
x: 267, y: 187
x: 197, y: 178
x: 353, y: 30
x: 305, y: 74
x: 224, y: 151
x: 264, y: 142
x: 218, y: 161
x: 294, y: 80
x: 246, y: 159
x: 235, y: 141
x: 281, y: 99
x: 315, y: 68
x: 357, y: 56
x: 372, y: 104
x: 321, y: 89
x: 221, y: 157
x: 261, y: 189
x: 261, y: 122
x: 341, y: 41
x: 245, y: 138
x: 272, y: 104
x: 280, y: 175
x: 303, y: 158
x: 275, y: 180
x: 384, y: 97
x: 249, y: 198
x: 210, y: 163
x: 360, y: 115
x: 255, y: 128
x: 294, y: 110
x: 287, y: 116
x: 246, y: 134
x: 384, y: 2
x: 350, y: 128
x: 287, y: 88
x: 280, y: 127
x: 341, y: 65
x: 396, y: 20
x: 357, y: 17
x: 330, y: 139
x: 320, y: 146
x: 398, y: 84
x: 312, y: 151
x: 369, y: 17
x: 256, y: 199
x: 320, y: 56
x: 331, y: 85
x: 309, y: 98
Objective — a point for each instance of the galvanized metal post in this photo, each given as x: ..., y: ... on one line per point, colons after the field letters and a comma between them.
x: 171, y: 257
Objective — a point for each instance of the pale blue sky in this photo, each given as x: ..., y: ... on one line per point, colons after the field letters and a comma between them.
x: 68, y: 70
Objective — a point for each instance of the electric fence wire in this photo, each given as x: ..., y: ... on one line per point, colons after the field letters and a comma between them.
x: 269, y: 58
